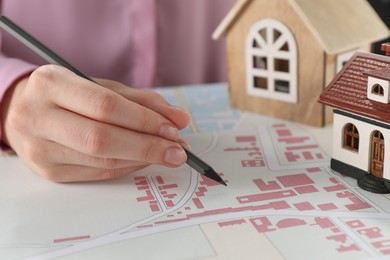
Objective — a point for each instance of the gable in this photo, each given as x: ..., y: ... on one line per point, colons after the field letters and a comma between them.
x: 339, y: 25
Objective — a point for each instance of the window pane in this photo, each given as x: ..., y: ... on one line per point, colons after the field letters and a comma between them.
x: 377, y: 89
x: 263, y: 34
x: 284, y: 47
x: 281, y: 65
x: 348, y: 141
x: 259, y: 62
x: 260, y: 82
x: 276, y: 35
x: 351, y: 137
x: 282, y: 86
x: 356, y: 144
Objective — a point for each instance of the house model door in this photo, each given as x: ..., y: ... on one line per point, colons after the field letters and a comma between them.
x: 377, y: 154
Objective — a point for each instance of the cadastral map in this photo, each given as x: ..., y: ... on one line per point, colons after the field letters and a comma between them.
x: 282, y: 200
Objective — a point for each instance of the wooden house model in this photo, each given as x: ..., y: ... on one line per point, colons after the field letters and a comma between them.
x: 360, y: 96
x: 282, y: 53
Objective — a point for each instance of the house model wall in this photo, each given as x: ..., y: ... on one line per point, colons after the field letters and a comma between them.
x: 282, y: 53
x: 360, y: 96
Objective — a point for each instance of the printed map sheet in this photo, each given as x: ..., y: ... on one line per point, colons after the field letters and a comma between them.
x: 282, y: 200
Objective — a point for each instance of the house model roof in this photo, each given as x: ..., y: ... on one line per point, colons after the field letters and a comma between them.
x: 339, y: 25
x: 380, y: 74
x: 348, y: 90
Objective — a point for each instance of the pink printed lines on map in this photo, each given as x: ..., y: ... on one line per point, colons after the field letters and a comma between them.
x: 70, y: 239
x: 342, y: 242
x: 297, y: 185
x: 166, y: 191
x: 297, y: 147
x: 285, y: 192
x: 277, y: 205
x: 249, y: 147
x: 373, y: 234
x: 142, y: 185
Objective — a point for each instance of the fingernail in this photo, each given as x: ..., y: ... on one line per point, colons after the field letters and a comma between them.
x: 179, y: 109
x: 184, y: 144
x: 174, y: 106
x: 169, y: 132
x: 175, y: 156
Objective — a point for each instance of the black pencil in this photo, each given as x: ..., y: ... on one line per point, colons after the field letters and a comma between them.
x: 192, y: 160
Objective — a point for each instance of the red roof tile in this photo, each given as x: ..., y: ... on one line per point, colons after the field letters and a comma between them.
x: 380, y: 74
x: 348, y: 90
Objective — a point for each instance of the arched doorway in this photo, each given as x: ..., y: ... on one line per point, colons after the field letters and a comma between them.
x: 377, y: 154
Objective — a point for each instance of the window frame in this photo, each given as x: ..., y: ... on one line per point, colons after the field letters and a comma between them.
x: 267, y: 40
x: 351, y: 138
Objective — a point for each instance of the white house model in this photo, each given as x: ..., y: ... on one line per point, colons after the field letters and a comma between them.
x: 360, y: 96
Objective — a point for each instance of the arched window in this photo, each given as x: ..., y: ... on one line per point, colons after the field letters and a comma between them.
x: 351, y: 137
x: 377, y: 90
x: 271, y: 61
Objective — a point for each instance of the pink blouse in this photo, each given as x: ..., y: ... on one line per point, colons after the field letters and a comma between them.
x: 142, y: 43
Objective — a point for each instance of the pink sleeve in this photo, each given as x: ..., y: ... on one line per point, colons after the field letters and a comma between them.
x: 186, y: 52
x: 10, y: 70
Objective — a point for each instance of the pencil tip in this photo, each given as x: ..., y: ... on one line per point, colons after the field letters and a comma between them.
x: 222, y: 182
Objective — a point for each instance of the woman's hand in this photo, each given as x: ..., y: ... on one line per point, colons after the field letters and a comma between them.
x: 69, y: 129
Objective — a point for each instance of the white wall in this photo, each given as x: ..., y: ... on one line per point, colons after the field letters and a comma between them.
x: 361, y: 159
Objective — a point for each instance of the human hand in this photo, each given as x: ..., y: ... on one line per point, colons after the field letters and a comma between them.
x: 69, y: 129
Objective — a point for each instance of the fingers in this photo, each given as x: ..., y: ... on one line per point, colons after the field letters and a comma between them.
x: 152, y: 100
x: 76, y: 173
x: 47, y: 153
x: 86, y: 98
x: 156, y: 103
x: 61, y: 164
x: 106, y: 141
x: 69, y: 129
